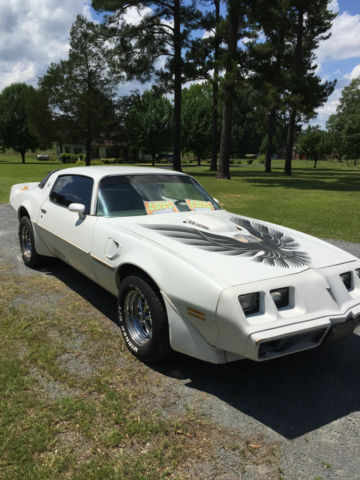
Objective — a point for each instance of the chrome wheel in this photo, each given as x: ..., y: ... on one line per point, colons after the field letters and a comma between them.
x: 142, y: 318
x: 25, y: 242
x: 137, y: 317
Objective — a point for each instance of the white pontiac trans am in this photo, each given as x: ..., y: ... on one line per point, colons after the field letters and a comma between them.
x: 189, y: 276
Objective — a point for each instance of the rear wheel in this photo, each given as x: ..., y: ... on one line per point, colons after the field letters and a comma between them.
x: 143, y: 319
x: 27, y: 244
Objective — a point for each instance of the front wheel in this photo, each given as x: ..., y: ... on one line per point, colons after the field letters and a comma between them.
x: 142, y: 319
x: 27, y: 244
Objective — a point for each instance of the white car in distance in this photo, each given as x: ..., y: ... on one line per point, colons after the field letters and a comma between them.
x: 189, y: 276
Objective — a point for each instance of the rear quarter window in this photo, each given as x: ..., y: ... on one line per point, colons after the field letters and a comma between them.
x: 45, y: 179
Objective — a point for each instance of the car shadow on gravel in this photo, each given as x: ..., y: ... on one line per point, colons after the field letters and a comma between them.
x: 89, y: 290
x: 292, y: 395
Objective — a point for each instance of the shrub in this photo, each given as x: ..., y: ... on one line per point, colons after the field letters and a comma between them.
x: 69, y: 157
x: 261, y: 159
x: 64, y: 157
x: 109, y: 161
x: 249, y: 161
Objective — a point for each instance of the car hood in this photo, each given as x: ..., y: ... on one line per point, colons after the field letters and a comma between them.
x: 235, y: 249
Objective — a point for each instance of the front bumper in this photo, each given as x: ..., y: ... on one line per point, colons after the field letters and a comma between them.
x: 296, y: 338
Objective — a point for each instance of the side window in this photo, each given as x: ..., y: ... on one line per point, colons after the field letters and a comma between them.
x: 72, y: 189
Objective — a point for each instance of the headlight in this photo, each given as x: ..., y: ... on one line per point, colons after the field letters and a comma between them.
x: 250, y: 302
x: 347, y: 280
x: 280, y: 297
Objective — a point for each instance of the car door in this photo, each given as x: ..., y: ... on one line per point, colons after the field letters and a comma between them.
x: 68, y: 234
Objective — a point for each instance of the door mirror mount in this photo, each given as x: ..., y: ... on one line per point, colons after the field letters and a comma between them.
x: 77, y: 208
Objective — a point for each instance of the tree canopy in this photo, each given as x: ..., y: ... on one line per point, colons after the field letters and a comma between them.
x: 312, y: 143
x: 148, y: 122
x: 196, y: 119
x: 344, y: 125
x: 258, y: 61
x: 14, y: 121
x: 79, y: 90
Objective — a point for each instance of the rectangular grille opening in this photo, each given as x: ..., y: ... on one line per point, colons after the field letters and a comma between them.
x: 290, y: 344
x: 347, y: 280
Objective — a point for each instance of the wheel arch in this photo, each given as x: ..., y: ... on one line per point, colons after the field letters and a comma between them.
x: 22, y: 212
x: 127, y: 269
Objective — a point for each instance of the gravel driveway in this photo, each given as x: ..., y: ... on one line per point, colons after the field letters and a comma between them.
x: 306, y: 405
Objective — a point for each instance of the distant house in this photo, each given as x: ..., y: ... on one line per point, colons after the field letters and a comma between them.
x: 99, y: 149
x: 104, y: 148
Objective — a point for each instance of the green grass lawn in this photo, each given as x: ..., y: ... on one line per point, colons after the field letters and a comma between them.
x: 323, y: 201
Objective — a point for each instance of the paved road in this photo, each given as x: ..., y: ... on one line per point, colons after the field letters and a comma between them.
x: 306, y: 404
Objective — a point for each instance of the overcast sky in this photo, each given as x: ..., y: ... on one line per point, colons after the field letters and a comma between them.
x: 35, y: 33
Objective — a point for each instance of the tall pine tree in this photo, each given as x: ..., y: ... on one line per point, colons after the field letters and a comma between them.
x: 163, y: 29
x: 203, y: 63
x: 269, y: 64
x: 234, y: 62
x: 310, y: 21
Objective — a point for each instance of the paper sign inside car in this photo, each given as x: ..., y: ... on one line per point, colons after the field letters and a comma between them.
x: 199, y: 204
x: 160, y: 206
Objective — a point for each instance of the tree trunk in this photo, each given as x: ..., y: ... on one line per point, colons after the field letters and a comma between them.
x: 153, y: 159
x: 297, y: 69
x: 22, y: 153
x: 215, y: 133
x: 290, y: 142
x: 225, y: 145
x: 269, y: 143
x: 177, y: 87
x: 215, y: 91
x: 199, y: 159
x: 88, y: 151
x: 315, y: 161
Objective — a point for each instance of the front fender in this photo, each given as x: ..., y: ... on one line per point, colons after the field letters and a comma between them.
x: 193, y: 294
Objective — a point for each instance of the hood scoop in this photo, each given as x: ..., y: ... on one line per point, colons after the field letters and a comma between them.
x: 209, y: 223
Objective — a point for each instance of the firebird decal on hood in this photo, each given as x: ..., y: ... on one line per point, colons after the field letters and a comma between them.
x: 265, y: 245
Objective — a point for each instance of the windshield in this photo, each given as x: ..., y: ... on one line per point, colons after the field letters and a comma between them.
x: 129, y: 195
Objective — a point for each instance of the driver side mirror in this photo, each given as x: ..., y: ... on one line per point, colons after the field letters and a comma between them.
x: 77, y: 208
